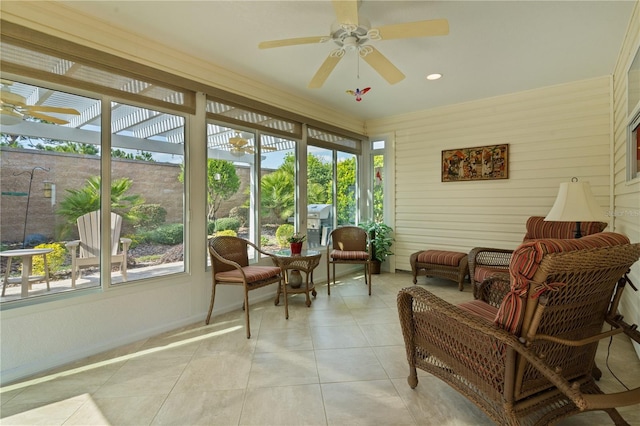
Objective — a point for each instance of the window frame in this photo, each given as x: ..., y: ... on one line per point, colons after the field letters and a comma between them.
x: 105, y: 161
x: 633, y: 118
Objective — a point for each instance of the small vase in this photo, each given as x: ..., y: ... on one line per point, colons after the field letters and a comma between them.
x: 296, y: 248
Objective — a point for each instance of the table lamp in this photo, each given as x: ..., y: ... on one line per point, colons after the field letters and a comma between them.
x: 575, y: 203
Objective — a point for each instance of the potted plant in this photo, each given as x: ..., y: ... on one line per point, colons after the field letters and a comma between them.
x: 381, y: 242
x: 295, y: 242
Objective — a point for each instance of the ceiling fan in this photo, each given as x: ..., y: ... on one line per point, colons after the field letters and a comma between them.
x: 351, y: 33
x: 13, y: 108
x: 240, y: 146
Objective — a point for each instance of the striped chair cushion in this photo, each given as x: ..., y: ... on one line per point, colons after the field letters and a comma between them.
x: 481, y: 309
x: 253, y: 273
x: 349, y: 255
x: 441, y: 257
x: 483, y: 272
x: 525, y: 262
x: 537, y: 228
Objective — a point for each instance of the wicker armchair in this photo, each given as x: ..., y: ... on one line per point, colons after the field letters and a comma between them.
x: 230, y: 266
x: 350, y: 245
x: 528, y: 359
x: 486, y: 262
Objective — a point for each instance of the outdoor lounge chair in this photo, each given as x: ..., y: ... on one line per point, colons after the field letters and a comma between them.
x: 89, y: 245
x: 486, y: 262
x: 527, y: 357
x: 230, y: 266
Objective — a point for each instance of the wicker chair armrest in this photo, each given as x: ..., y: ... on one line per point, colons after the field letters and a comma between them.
x: 414, y: 299
x: 494, y: 289
x: 486, y: 256
x: 490, y: 256
x: 259, y: 250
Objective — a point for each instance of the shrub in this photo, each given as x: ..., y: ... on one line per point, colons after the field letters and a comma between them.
x: 226, y: 223
x: 55, y: 259
x: 283, y: 233
x: 147, y: 216
x: 241, y: 213
x: 264, y: 240
x: 169, y: 234
x: 227, y: 232
x: 33, y: 240
x: 137, y: 239
x: 211, y: 228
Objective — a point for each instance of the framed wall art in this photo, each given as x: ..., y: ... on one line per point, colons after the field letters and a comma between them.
x: 479, y: 163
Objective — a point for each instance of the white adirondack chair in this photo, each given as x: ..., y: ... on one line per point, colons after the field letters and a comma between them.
x: 89, y: 245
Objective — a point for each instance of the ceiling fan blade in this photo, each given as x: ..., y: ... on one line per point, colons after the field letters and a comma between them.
x: 383, y: 66
x: 346, y: 11
x: 238, y: 142
x: 434, y: 27
x: 291, y: 42
x: 8, y: 97
x: 43, y: 108
x: 47, y: 118
x: 325, y: 69
x: 269, y: 148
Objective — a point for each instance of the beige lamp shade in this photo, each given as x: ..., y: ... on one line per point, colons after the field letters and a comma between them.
x: 575, y: 203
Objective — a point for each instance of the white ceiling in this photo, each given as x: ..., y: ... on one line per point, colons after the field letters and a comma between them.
x: 493, y: 48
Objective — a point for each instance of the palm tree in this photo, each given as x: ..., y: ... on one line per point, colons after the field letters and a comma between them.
x: 87, y: 199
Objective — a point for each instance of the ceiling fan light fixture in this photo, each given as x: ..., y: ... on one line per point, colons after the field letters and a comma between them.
x: 434, y: 76
x: 237, y: 152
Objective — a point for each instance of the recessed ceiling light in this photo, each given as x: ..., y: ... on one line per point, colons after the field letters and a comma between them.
x: 434, y: 76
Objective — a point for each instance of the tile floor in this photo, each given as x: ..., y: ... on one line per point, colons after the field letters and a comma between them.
x: 339, y: 362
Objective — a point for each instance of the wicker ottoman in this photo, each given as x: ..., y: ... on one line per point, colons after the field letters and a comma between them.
x: 439, y: 263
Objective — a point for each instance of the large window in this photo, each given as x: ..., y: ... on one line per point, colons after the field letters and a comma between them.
x: 53, y: 200
x: 147, y: 186
x: 346, y: 188
x: 232, y: 190
x: 332, y: 192
x: 231, y: 181
x: 277, y: 191
x: 378, y: 173
x: 320, y: 190
x: 71, y: 124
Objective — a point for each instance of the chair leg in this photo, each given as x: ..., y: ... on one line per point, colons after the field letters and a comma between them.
x: 6, y: 275
x: 73, y: 276
x: 286, y: 300
x: 328, y: 278
x: 213, y: 297
x: 123, y: 269
x: 618, y: 420
x: 246, y: 313
x: 46, y: 271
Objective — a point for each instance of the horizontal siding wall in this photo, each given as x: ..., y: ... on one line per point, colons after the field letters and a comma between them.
x: 553, y: 133
x: 626, y: 193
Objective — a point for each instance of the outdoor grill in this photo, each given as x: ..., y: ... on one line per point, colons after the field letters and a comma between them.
x: 319, y: 223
